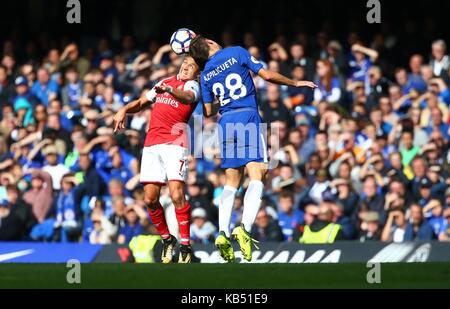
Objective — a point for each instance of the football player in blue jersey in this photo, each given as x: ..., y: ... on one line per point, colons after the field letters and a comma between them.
x: 226, y: 76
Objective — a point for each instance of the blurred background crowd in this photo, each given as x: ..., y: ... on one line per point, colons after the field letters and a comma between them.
x: 368, y: 150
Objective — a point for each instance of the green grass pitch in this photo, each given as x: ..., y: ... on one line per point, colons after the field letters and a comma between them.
x: 223, y: 276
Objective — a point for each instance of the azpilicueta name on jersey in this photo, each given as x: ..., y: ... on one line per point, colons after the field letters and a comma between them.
x: 221, y: 68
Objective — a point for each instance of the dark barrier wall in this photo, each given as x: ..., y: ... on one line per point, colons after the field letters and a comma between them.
x: 160, y: 17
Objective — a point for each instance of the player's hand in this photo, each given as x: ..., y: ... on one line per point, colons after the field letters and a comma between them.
x: 306, y: 84
x: 163, y: 88
x: 119, y: 120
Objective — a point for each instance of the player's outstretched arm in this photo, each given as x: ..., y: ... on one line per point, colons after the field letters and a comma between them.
x: 131, y: 108
x: 277, y: 78
x: 184, y: 96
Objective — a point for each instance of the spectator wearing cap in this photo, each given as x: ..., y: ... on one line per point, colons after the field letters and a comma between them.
x: 202, y: 230
x: 417, y: 228
x: 266, y: 228
x: 322, y: 230
x: 40, y: 196
x: 288, y: 217
x: 425, y: 191
x: 23, y: 90
x: 370, y: 226
x: 45, y: 89
x: 395, y: 227
x: 53, y: 167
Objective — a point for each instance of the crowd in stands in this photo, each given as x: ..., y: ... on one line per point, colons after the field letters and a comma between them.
x: 367, y: 150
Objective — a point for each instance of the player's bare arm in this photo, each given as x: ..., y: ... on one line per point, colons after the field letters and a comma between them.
x: 131, y: 108
x: 276, y: 78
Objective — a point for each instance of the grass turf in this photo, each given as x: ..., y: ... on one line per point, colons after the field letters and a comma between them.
x: 223, y: 276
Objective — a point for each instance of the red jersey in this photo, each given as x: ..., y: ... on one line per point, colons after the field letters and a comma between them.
x: 169, y: 117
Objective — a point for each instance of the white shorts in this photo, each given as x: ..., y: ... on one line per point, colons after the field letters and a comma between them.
x: 163, y: 163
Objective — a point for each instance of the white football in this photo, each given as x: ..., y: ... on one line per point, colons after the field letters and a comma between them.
x: 181, y: 40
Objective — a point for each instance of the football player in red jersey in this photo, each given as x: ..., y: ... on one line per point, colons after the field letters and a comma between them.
x: 164, y: 158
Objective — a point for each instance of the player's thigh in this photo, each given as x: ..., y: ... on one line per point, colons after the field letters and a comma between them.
x: 257, y: 170
x: 175, y: 160
x: 234, y: 176
x: 152, y: 167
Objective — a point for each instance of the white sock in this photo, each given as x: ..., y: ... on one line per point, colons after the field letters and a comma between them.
x: 252, y: 202
x: 226, y: 205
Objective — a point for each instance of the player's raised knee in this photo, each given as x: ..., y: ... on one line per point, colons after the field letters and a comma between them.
x: 151, y: 200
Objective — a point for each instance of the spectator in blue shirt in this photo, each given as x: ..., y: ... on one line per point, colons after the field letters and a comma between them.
x: 415, y: 77
x: 329, y: 87
x: 45, y: 89
x: 288, y: 217
x: 401, y: 77
x: 363, y: 58
x: 437, y: 123
x: 418, y: 228
x: 436, y: 220
x: 72, y: 91
x: 67, y: 214
x: 136, y: 220
x: 114, y: 168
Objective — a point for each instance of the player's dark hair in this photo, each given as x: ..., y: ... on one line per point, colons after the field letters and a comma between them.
x: 199, y: 50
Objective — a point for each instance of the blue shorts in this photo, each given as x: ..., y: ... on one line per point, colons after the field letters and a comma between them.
x: 242, y: 137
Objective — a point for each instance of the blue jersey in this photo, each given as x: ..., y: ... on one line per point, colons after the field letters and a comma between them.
x: 227, y: 77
